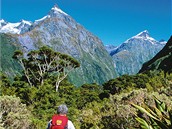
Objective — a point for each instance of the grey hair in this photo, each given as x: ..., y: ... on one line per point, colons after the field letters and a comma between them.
x: 62, y: 109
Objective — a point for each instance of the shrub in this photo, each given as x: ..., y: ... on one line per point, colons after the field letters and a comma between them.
x: 14, y: 114
x: 157, y: 117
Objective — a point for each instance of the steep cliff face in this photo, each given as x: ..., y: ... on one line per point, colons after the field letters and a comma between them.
x: 129, y: 57
x: 62, y: 33
x: 161, y: 61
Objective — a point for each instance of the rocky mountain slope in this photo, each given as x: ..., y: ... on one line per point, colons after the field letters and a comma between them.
x: 62, y: 33
x: 161, y: 61
x: 129, y: 57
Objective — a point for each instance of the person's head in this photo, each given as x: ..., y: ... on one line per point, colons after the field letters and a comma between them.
x: 62, y: 109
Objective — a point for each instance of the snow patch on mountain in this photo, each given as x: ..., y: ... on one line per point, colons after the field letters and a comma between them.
x: 26, y: 22
x: 144, y: 35
x: 15, y: 28
x: 10, y: 28
x: 162, y: 41
x: 41, y: 20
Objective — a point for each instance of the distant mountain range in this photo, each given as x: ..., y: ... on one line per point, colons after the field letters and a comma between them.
x: 62, y: 33
x: 129, y: 57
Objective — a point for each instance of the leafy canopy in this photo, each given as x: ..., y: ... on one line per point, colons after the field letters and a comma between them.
x: 44, y: 63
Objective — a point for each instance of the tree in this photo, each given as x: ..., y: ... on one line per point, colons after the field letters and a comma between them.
x: 19, y: 56
x: 44, y: 63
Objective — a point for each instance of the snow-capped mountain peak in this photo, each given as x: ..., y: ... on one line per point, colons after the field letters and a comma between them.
x: 144, y: 35
x: 10, y: 28
x: 129, y: 56
x: 56, y: 10
x: 24, y: 26
x: 14, y: 28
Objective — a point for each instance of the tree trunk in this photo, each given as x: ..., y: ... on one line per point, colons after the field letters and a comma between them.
x: 42, y: 81
x: 57, y: 85
x: 28, y: 79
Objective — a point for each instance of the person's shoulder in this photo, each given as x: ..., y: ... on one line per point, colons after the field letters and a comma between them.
x: 70, y: 125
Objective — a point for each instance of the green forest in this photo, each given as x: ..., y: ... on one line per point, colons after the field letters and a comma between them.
x: 29, y: 100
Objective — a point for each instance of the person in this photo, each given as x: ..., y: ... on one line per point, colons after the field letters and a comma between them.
x: 60, y: 120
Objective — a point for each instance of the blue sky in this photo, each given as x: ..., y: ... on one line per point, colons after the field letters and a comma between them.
x: 113, y: 21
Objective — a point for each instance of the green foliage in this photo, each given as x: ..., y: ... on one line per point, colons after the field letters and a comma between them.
x: 90, y: 105
x: 91, y: 115
x: 87, y: 93
x: 44, y: 63
x: 125, y: 82
x: 116, y: 111
x: 159, y: 116
x: 152, y: 81
x: 43, y: 102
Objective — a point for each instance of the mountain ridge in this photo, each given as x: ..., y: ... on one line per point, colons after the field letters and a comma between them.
x: 62, y: 33
x: 129, y: 57
x: 161, y: 61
